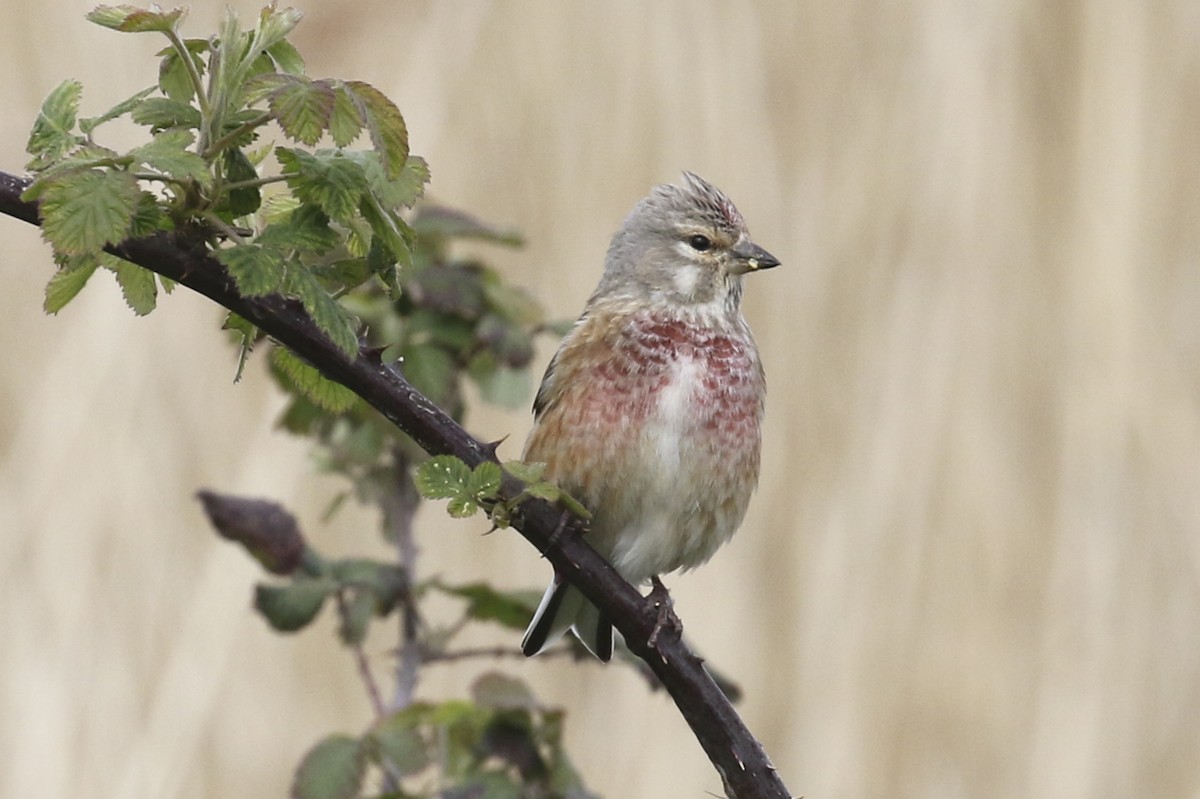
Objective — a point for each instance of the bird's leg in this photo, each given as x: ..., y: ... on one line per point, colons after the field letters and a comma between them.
x: 665, y: 609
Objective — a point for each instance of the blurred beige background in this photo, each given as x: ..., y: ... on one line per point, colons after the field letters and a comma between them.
x: 972, y: 568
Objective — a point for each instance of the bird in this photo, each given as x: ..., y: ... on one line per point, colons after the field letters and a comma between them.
x: 651, y: 411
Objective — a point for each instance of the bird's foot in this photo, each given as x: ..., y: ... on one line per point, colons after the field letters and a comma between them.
x: 664, y: 607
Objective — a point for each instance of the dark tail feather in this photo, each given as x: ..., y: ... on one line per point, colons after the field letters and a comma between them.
x: 542, y: 629
x: 563, y: 607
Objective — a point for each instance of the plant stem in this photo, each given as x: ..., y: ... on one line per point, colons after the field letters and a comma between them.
x: 400, y: 506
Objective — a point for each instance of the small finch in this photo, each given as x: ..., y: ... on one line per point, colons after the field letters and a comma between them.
x: 650, y: 413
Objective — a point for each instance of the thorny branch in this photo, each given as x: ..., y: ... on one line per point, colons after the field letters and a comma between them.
x: 738, y: 757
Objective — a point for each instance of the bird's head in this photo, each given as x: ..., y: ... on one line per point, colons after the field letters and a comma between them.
x: 685, y: 244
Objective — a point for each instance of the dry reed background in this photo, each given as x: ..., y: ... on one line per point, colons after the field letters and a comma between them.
x: 972, y: 568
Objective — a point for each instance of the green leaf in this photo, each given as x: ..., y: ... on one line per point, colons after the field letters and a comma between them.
x: 83, y: 211
x: 389, y: 229
x: 238, y: 168
x: 302, y: 107
x: 174, y: 79
x: 286, y: 57
x: 499, y: 384
x: 388, y: 132
x: 525, y: 472
x: 124, y: 107
x: 496, y: 690
x: 322, y: 391
x: 247, y: 334
x: 345, y: 119
x: 333, y: 320
x: 149, y: 217
x: 306, y: 228
x: 398, y: 746
x: 256, y: 270
x: 137, y: 285
x: 326, y: 178
x: 485, y: 480
x: 442, y: 477
x: 131, y: 19
x: 512, y: 302
x: 168, y: 153
x: 162, y: 112
x: 333, y: 769
x: 510, y: 609
x: 437, y: 222
x: 52, y: 134
x: 462, y: 507
x: 354, y: 622
x: 292, y: 606
x: 431, y: 371
x: 274, y: 25
x: 68, y: 281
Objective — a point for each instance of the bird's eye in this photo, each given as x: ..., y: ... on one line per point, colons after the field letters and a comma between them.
x: 700, y: 243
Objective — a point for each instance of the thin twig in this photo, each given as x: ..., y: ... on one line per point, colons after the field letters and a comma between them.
x: 400, y: 506
x: 360, y: 659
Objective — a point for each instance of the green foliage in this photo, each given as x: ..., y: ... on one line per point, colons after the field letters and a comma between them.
x: 204, y: 122
x: 333, y: 769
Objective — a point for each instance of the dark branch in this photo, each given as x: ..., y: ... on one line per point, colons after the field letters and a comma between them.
x: 738, y: 757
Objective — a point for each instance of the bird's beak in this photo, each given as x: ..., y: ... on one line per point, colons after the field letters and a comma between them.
x: 751, y: 258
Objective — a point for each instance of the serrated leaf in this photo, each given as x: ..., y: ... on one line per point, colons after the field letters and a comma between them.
x: 333, y: 320
x: 174, y: 79
x: 543, y: 490
x: 306, y: 228
x: 401, y: 191
x: 345, y: 119
x: 302, y: 107
x: 68, y: 281
x: 496, y: 690
x: 485, y: 480
x: 131, y: 19
x: 238, y: 168
x: 52, y: 134
x: 137, y: 285
x: 389, y: 135
x: 124, y: 107
x: 462, y: 507
x: 168, y: 153
x: 326, y: 178
x: 510, y: 609
x: 323, y: 392
x: 148, y: 217
x: 275, y: 24
x: 333, y: 769
x: 286, y: 57
x: 83, y: 211
x: 442, y: 477
x: 525, y: 472
x: 163, y: 112
x: 390, y: 230
x: 291, y: 606
x: 256, y: 270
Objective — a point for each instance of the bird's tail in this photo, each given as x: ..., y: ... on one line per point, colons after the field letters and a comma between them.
x: 564, y: 607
